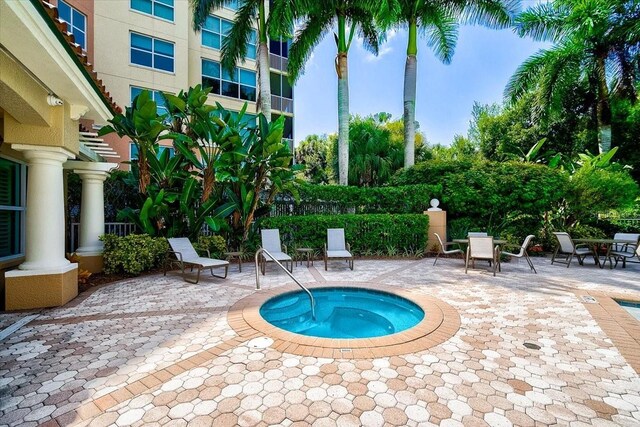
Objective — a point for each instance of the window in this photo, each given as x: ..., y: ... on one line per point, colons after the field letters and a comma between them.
x: 12, y: 208
x: 151, y: 52
x: 76, y: 23
x: 133, y: 151
x: 156, y: 95
x: 288, y: 125
x: 215, y: 30
x: 279, y: 47
x: 280, y: 86
x: 159, y: 8
x: 241, y: 84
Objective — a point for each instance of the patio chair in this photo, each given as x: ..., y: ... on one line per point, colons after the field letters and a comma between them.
x: 624, y: 251
x: 186, y: 255
x: 477, y: 234
x: 569, y: 249
x: 482, y: 248
x: 336, y: 248
x: 522, y: 253
x: 443, y: 248
x: 271, y: 243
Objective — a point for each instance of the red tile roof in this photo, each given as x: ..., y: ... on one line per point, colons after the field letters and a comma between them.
x: 52, y: 13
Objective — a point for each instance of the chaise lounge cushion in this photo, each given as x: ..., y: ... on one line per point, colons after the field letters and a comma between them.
x: 338, y: 254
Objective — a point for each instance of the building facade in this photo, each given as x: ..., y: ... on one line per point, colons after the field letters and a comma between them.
x: 151, y: 44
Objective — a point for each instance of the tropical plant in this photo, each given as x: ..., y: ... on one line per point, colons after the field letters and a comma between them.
x: 235, y: 44
x: 318, y: 18
x: 312, y: 153
x: 592, y: 39
x: 144, y: 126
x: 438, y: 20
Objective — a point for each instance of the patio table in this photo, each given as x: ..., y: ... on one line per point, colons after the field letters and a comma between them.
x: 597, y: 243
x: 466, y: 241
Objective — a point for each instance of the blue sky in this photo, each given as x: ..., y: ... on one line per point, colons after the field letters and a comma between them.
x: 483, y: 62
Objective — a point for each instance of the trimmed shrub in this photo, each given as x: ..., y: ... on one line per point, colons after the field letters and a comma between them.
x: 363, y: 200
x: 215, y: 244
x: 133, y: 254
x: 368, y: 234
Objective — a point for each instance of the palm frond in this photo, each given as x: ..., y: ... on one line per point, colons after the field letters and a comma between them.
x: 489, y: 13
x: 544, y: 22
x: 306, y: 39
x: 234, y: 47
x: 441, y: 30
x: 367, y: 29
x: 202, y: 9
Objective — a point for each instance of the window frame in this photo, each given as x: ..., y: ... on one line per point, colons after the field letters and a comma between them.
x: 70, y: 25
x: 153, y: 9
x: 152, y: 52
x: 22, y: 209
x: 222, y: 36
x: 221, y: 79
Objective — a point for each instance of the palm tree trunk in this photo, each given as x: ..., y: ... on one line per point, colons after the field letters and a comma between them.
x: 410, y: 76
x: 264, y: 79
x: 343, y: 119
x: 603, y: 108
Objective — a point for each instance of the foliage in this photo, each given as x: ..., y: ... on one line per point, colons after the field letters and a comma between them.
x: 460, y: 149
x: 133, y: 254
x: 223, y: 166
x: 401, y: 199
x: 216, y: 245
x: 312, y: 153
x: 368, y: 234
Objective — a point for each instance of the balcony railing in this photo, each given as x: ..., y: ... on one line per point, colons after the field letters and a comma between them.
x: 278, y: 62
x: 282, y: 104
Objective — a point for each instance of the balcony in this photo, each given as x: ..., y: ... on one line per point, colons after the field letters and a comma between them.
x: 278, y: 62
x: 282, y: 104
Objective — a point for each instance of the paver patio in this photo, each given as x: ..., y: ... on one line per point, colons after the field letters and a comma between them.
x: 157, y: 350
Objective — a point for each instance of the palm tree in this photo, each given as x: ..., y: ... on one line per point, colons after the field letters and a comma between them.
x: 592, y: 39
x: 319, y: 17
x: 438, y: 21
x: 234, y: 48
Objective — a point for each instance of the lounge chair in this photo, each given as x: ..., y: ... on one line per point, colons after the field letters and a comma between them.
x: 336, y: 248
x: 569, y: 249
x: 482, y: 248
x: 271, y: 243
x: 522, y: 253
x: 186, y: 255
x: 443, y: 248
x: 624, y: 251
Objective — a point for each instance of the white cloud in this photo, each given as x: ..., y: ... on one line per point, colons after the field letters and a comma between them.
x: 385, y: 48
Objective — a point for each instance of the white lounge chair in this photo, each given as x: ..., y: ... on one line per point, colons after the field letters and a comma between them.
x: 569, y: 250
x: 626, y: 250
x: 443, y: 248
x: 186, y: 255
x: 522, y: 253
x: 483, y: 248
x: 336, y: 248
x: 271, y: 243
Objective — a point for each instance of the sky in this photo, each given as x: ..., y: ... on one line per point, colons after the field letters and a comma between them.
x: 483, y: 62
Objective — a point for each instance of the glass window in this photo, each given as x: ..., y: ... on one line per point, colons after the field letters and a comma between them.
x: 159, y: 8
x: 288, y: 125
x: 76, y: 23
x: 216, y: 30
x: 133, y: 151
x: 280, y: 86
x: 12, y: 208
x: 151, y: 52
x: 279, y: 47
x: 240, y: 84
x: 156, y: 95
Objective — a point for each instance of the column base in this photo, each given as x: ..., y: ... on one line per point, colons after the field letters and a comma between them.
x: 28, y: 289
x: 90, y: 261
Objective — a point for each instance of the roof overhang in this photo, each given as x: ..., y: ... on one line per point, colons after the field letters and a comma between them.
x: 31, y: 36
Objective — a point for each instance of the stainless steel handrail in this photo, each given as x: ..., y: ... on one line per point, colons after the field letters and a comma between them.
x: 257, y: 259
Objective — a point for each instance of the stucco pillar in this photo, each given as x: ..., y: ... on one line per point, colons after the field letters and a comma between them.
x: 44, y: 245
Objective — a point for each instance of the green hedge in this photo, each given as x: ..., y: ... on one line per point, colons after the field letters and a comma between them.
x: 368, y: 234
x: 133, y: 254
x: 368, y: 200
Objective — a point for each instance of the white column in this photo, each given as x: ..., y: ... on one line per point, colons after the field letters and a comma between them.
x: 93, y: 176
x: 45, y: 226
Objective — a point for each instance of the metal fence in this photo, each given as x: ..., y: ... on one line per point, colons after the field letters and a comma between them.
x: 120, y: 228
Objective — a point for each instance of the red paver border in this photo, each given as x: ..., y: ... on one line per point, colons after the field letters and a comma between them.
x: 621, y: 327
x: 440, y: 323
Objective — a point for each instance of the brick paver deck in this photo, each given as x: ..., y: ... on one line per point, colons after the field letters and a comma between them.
x: 157, y: 350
